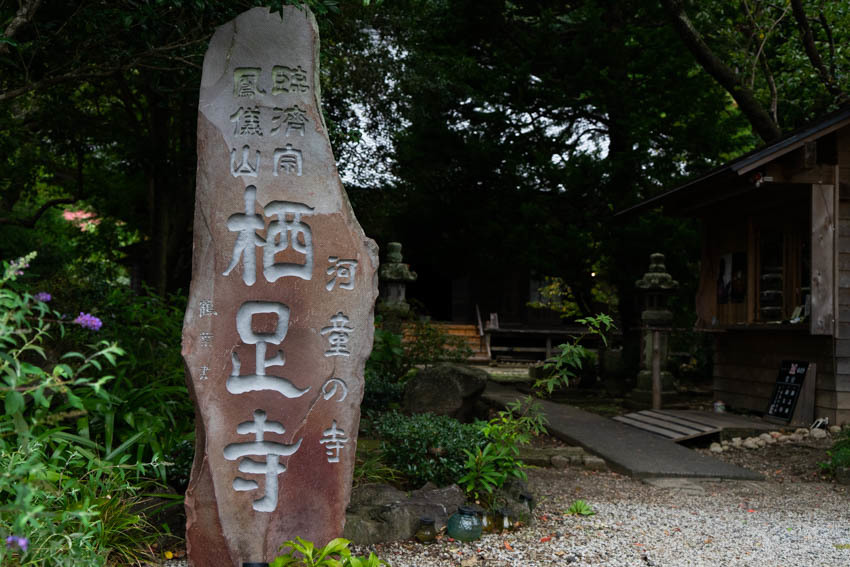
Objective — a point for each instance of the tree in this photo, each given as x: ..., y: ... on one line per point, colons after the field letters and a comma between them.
x: 781, y: 62
x: 504, y: 134
x: 98, y: 107
x: 519, y: 128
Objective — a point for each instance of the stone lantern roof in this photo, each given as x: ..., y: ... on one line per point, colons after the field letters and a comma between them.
x: 657, y: 278
x: 393, y: 270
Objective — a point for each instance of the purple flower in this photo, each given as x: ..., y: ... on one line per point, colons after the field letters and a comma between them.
x: 20, y: 542
x: 43, y: 296
x: 88, y: 321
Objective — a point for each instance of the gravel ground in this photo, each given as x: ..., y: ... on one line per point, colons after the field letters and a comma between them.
x: 681, y: 523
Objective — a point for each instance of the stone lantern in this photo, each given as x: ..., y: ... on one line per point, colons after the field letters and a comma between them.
x: 394, y: 276
x: 654, y: 382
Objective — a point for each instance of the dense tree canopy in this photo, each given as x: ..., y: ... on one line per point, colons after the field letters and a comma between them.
x: 489, y: 137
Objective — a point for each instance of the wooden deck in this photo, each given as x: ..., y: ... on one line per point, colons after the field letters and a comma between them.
x: 680, y: 425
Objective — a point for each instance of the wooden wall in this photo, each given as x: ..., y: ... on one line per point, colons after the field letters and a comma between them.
x: 746, y: 365
x: 840, y: 397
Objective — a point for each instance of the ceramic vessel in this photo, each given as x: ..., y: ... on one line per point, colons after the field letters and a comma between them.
x: 464, y: 525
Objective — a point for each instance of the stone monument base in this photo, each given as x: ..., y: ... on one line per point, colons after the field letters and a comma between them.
x: 641, y: 396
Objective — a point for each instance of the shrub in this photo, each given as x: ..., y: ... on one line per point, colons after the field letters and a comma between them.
x: 839, y: 453
x: 369, y: 466
x: 381, y: 392
x: 303, y: 553
x: 392, y: 359
x: 66, y: 498
x: 487, y: 470
x: 427, y: 345
x: 426, y: 447
x: 516, y: 424
x: 150, y: 402
x: 150, y: 383
x: 571, y: 356
x: 387, y: 357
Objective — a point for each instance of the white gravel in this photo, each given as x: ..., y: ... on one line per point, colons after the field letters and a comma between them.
x: 692, y: 523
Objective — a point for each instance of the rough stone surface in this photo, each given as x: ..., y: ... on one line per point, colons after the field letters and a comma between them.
x: 279, y: 320
x: 545, y: 456
x: 512, y: 497
x: 624, y: 448
x: 380, y: 513
x: 593, y: 463
x: 445, y: 389
x: 818, y: 434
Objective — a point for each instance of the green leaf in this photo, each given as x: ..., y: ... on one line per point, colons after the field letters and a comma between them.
x: 123, y: 446
x: 14, y: 402
x: 75, y: 400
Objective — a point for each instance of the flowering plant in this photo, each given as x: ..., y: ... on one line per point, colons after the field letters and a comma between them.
x: 88, y: 321
x: 61, y: 487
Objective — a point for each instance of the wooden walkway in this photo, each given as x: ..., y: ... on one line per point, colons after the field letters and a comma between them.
x: 680, y: 425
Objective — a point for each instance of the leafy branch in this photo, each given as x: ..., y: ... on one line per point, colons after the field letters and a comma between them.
x: 571, y: 356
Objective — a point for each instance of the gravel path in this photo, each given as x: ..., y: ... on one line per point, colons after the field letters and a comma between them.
x: 677, y: 524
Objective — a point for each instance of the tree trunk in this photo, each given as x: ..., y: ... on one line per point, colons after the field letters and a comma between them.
x: 757, y: 115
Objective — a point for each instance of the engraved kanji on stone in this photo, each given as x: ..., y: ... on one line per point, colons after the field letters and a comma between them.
x: 206, y: 309
x: 289, y: 80
x: 334, y: 440
x: 204, y: 370
x: 244, y: 247
x: 330, y: 388
x: 288, y: 232
x: 338, y: 334
x: 239, y: 383
x: 247, y: 121
x: 206, y: 339
x: 246, y: 82
x: 293, y: 118
x: 342, y: 271
x: 260, y: 447
x: 244, y: 167
x: 288, y: 161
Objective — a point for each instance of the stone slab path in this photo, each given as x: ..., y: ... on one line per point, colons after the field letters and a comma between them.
x: 626, y: 449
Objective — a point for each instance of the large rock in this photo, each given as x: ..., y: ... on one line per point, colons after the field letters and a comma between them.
x: 279, y: 321
x: 445, y: 389
x: 380, y: 513
x: 515, y: 498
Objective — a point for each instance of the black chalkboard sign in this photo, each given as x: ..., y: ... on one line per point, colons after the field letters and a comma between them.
x: 786, y: 392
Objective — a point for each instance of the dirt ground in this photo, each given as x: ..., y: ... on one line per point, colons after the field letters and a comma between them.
x: 782, y: 462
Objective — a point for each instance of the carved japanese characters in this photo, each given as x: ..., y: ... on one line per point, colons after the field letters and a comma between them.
x: 279, y: 321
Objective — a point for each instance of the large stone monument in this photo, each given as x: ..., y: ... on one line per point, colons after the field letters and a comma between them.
x: 280, y: 316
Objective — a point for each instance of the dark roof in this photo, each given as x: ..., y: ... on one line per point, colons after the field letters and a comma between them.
x: 748, y: 162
